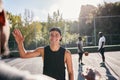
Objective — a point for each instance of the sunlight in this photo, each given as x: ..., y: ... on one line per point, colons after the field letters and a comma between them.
x: 70, y: 9
x: 92, y: 2
x: 36, y: 18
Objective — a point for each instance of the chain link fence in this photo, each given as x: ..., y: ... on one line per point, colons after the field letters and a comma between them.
x: 84, y: 27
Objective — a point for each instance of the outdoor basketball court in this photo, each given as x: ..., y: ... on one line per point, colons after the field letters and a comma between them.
x: 109, y: 71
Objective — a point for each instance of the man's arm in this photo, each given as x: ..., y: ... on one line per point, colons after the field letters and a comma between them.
x: 102, y: 44
x: 23, y: 53
x: 30, y: 54
x: 68, y: 60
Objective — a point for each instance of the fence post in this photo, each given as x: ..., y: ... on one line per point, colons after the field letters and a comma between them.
x: 94, y: 31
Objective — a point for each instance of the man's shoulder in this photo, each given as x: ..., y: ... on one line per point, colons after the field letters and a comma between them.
x: 39, y: 49
x: 103, y: 37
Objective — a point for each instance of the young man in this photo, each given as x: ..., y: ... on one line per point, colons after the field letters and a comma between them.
x: 101, y: 45
x: 80, y: 50
x: 54, y: 56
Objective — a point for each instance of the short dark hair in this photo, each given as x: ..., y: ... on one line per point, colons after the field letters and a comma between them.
x: 55, y: 29
x: 80, y: 38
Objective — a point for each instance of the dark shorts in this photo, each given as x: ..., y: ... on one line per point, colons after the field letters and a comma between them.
x: 80, y: 53
x: 102, y: 50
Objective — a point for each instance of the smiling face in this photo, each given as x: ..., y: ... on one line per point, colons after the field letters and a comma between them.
x: 55, y: 37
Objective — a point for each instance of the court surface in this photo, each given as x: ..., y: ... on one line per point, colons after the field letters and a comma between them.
x: 109, y: 71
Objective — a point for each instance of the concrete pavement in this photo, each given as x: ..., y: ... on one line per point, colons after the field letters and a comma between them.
x: 109, y: 71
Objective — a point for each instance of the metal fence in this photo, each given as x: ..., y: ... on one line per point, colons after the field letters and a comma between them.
x: 87, y: 30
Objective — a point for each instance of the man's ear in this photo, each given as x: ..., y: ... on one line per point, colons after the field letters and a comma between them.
x: 61, y: 39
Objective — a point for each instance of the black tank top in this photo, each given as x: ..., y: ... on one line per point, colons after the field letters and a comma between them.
x: 54, y: 63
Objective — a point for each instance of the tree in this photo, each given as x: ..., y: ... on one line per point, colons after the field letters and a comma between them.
x: 28, y: 16
x: 86, y: 17
x: 57, y: 21
x: 110, y: 19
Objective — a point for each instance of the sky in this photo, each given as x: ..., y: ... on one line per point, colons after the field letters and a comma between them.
x: 69, y: 9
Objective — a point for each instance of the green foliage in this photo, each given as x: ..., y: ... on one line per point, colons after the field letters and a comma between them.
x: 32, y: 32
x: 111, y: 11
x: 37, y: 33
x: 57, y: 21
x: 86, y: 18
x: 107, y: 17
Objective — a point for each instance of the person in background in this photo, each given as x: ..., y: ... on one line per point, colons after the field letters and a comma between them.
x: 54, y: 56
x: 80, y: 50
x: 101, y: 47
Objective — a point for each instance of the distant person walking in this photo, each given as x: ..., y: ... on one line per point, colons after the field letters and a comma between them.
x: 101, y: 45
x: 80, y: 50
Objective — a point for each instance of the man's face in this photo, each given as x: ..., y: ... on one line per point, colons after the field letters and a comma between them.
x: 100, y: 35
x: 55, y: 37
